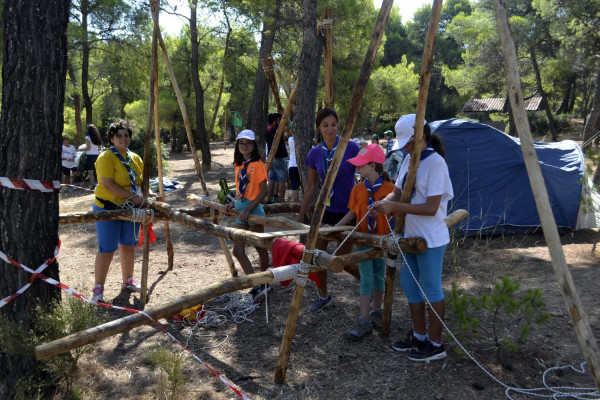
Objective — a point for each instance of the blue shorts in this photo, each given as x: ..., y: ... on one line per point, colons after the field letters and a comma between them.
x: 278, y: 171
x: 294, y: 178
x: 372, y: 273
x: 241, y: 205
x: 113, y: 233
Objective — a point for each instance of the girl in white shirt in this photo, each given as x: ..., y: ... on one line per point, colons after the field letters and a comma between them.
x: 93, y: 144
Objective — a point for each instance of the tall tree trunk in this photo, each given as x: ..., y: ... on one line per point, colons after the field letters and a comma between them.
x: 540, y: 89
x: 33, y: 91
x: 222, y: 83
x: 512, y: 127
x: 201, y: 138
x: 437, y: 99
x: 77, y: 105
x: 85, y: 63
x: 564, y: 104
x: 257, y: 115
x: 308, y: 81
x: 591, y: 125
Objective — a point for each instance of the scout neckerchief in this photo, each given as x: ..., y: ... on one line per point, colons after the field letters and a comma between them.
x: 372, y: 222
x: 242, y: 178
x: 327, y: 158
x: 127, y: 164
x: 426, y: 153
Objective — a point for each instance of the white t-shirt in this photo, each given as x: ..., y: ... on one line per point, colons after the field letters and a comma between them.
x: 433, y: 179
x: 71, y: 154
x: 292, y: 151
x: 94, y: 148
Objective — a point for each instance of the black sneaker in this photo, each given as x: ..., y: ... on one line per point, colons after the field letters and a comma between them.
x: 262, y: 293
x: 411, y: 343
x: 256, y: 290
x: 319, y: 304
x: 427, y: 353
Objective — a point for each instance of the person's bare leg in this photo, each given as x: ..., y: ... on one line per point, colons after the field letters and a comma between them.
x: 417, y: 312
x: 296, y: 196
x: 322, y: 275
x: 378, y: 299
x: 239, y: 252
x: 92, y: 178
x: 365, y: 305
x: 270, y: 190
x: 263, y: 253
x: 127, y: 258
x: 282, y: 189
x: 101, y: 265
x: 435, y: 325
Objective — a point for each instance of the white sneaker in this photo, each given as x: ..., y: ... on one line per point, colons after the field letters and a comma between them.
x: 131, y: 285
x: 98, y: 293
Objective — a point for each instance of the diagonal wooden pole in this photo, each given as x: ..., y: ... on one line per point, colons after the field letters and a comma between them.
x: 285, y: 118
x: 390, y: 271
x: 307, y: 257
x: 561, y: 270
x: 273, y: 84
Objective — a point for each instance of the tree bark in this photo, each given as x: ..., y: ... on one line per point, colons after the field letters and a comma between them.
x: 33, y: 77
x: 201, y: 139
x: 76, y: 106
x: 257, y: 115
x: 591, y: 125
x: 308, y: 81
x: 540, y: 89
x: 564, y: 104
x: 222, y: 83
x: 85, y: 63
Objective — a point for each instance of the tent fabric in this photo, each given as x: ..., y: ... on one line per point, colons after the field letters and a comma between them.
x: 490, y: 181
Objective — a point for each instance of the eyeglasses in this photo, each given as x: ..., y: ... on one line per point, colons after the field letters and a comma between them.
x: 122, y: 135
x: 245, y: 144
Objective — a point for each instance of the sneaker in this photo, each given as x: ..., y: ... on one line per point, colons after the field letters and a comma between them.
x: 275, y: 199
x: 98, y: 292
x: 411, y: 343
x: 262, y: 293
x: 319, y: 304
x: 131, y: 285
x: 427, y: 353
x: 375, y: 317
x: 255, y: 290
x: 362, y: 328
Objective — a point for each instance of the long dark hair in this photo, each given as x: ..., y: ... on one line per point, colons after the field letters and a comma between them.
x: 238, y: 158
x: 94, y: 134
x: 433, y: 140
x: 324, y: 113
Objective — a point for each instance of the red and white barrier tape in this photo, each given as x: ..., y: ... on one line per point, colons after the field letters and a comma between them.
x: 29, y: 184
x: 37, y: 274
x: 77, y: 187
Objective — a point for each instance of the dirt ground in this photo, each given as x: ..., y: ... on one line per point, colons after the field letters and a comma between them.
x: 323, y: 364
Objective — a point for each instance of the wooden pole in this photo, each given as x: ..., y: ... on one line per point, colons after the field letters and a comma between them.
x: 365, y: 73
x: 390, y: 272
x: 225, y: 130
x: 272, y: 84
x: 285, y: 118
x: 561, y: 270
x: 328, y: 60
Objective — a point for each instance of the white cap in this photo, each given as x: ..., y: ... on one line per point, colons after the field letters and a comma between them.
x: 246, y: 134
x: 405, y: 130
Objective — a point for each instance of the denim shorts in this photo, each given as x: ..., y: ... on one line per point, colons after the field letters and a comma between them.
x: 241, y: 205
x: 278, y: 171
x: 113, y: 233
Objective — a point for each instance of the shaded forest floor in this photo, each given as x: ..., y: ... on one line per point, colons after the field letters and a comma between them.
x: 323, y: 364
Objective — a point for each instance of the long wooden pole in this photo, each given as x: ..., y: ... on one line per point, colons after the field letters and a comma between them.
x: 365, y: 73
x: 285, y: 118
x: 390, y: 271
x: 561, y: 270
x: 272, y: 85
x: 328, y: 59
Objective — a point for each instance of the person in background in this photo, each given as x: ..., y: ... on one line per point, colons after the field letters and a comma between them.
x: 120, y: 177
x: 318, y: 160
x: 93, y: 145
x: 278, y: 172
x: 69, y: 154
x: 387, y: 135
x: 251, y: 187
x: 425, y: 215
x: 293, y: 169
x: 375, y: 140
x: 375, y: 186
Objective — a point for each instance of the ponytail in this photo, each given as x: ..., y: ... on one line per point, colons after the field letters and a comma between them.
x: 433, y: 140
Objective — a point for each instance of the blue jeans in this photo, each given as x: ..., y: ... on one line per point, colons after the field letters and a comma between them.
x: 278, y: 171
x: 427, y: 269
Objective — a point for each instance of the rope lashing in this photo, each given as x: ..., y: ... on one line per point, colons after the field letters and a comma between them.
x: 285, y: 273
x: 304, y: 269
x: 327, y: 23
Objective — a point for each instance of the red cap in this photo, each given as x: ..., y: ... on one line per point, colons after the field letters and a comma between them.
x: 371, y: 153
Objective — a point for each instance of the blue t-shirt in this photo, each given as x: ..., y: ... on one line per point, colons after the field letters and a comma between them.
x: 344, y: 180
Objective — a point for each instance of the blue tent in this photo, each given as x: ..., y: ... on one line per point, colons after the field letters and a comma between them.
x: 490, y: 181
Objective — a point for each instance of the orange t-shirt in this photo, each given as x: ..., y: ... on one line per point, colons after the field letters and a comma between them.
x: 256, y: 173
x: 359, y: 200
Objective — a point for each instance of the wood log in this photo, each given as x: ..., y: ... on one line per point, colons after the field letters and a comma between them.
x: 568, y: 290
x: 376, y: 37
x: 426, y: 66
x: 285, y: 118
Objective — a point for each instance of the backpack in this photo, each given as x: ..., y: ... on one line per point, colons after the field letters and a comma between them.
x: 227, y: 193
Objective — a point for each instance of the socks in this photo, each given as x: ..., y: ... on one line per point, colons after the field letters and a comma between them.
x: 422, y: 338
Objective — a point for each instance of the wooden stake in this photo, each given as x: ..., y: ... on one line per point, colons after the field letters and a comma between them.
x: 328, y: 47
x: 286, y: 343
x: 426, y: 66
x: 273, y: 85
x: 561, y: 270
x: 285, y: 117
x: 225, y: 130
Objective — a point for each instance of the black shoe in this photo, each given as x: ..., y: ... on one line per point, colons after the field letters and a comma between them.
x: 262, y: 293
x: 427, y: 353
x: 411, y: 343
x: 256, y: 290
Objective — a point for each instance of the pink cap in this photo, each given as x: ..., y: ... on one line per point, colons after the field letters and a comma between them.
x: 371, y: 153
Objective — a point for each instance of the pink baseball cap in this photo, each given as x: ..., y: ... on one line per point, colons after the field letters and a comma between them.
x: 371, y: 153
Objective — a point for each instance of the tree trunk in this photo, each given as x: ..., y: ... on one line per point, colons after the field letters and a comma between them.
x: 540, y: 89
x: 437, y: 99
x: 202, y: 140
x: 222, y: 84
x: 257, y: 115
x: 376, y: 123
x: 564, y: 104
x: 85, y: 63
x: 33, y: 77
x: 77, y: 105
x: 512, y: 128
x: 308, y: 81
x: 591, y: 125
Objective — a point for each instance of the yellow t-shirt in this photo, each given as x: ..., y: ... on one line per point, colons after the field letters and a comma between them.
x: 108, y: 165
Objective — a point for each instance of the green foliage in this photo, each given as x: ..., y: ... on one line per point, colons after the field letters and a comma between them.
x: 504, y: 315
x: 172, y: 377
